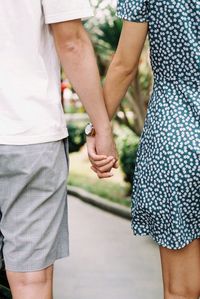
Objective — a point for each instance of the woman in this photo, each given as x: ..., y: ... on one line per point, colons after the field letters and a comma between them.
x: 166, y: 192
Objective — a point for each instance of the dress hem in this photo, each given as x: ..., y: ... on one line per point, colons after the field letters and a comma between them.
x: 162, y: 244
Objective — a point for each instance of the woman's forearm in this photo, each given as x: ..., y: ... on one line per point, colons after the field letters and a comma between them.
x: 124, y: 65
x: 116, y: 85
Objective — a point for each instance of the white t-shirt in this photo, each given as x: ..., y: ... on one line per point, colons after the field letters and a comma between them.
x: 30, y: 98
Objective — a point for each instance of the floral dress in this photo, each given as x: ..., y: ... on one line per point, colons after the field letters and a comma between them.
x: 166, y: 191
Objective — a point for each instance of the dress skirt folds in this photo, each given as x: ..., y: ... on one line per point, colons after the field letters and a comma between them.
x: 166, y: 189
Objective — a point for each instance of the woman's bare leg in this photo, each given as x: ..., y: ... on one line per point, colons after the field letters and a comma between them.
x: 181, y: 271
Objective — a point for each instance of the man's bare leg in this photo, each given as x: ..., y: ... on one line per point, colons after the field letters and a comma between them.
x: 31, y: 285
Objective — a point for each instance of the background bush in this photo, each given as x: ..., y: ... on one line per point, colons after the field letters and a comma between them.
x: 4, y: 286
x: 76, y: 136
x: 127, y: 144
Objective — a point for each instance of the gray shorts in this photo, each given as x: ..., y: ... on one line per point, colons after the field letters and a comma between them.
x: 33, y: 205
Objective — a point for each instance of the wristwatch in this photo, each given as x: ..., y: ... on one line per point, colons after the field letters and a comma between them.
x: 89, y: 130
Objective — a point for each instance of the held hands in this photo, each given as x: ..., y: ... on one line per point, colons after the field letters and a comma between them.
x: 102, y: 154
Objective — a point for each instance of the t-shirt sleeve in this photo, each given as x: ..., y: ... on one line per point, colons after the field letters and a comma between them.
x: 133, y: 10
x: 56, y: 11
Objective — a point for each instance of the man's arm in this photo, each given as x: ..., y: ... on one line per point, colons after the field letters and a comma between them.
x: 124, y: 65
x: 78, y: 60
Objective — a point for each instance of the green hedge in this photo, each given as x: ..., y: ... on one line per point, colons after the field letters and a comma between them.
x: 127, y: 144
x: 76, y: 136
x: 4, y: 286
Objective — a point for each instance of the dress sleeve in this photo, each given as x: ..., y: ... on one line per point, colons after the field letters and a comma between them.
x: 133, y: 10
x: 56, y: 11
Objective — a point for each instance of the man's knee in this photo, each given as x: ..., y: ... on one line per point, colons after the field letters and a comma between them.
x: 33, y: 278
x: 42, y: 277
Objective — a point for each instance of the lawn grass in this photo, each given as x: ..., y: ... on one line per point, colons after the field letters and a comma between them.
x: 113, y: 189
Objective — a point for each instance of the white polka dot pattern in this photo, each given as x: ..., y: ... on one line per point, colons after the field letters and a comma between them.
x: 166, y: 191
x: 133, y: 10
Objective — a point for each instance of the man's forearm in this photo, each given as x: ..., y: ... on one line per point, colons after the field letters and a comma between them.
x: 79, y: 63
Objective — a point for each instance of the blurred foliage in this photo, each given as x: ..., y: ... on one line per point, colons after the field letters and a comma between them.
x: 76, y: 136
x: 4, y: 286
x: 5, y: 292
x: 105, y: 33
x: 127, y: 145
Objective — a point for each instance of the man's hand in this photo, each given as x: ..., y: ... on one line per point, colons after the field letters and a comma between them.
x: 102, y: 154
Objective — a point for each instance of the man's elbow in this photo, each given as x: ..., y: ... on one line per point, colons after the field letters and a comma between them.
x: 73, y: 44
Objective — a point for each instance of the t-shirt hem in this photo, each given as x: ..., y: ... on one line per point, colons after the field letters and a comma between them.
x: 28, y: 140
x: 67, y: 16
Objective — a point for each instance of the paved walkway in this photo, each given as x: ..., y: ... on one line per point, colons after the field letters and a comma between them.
x: 106, y: 261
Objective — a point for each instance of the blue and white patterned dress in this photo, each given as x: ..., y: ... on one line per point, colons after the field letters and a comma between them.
x: 166, y: 192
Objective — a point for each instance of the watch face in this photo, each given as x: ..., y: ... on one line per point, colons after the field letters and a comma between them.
x: 88, y: 129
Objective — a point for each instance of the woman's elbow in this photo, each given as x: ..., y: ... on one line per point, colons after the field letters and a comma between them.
x: 124, y: 68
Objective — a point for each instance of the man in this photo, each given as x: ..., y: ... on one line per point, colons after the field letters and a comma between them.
x: 33, y: 164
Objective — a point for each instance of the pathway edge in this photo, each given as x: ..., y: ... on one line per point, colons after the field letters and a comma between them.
x: 100, y: 202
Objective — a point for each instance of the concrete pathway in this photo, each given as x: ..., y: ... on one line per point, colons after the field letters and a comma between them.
x: 107, y: 261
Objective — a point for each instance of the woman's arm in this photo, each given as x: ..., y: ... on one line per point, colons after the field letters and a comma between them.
x: 121, y: 72
x: 124, y: 65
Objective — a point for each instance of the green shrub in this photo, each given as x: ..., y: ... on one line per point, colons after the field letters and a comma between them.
x: 4, y: 286
x: 127, y: 144
x: 76, y: 136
